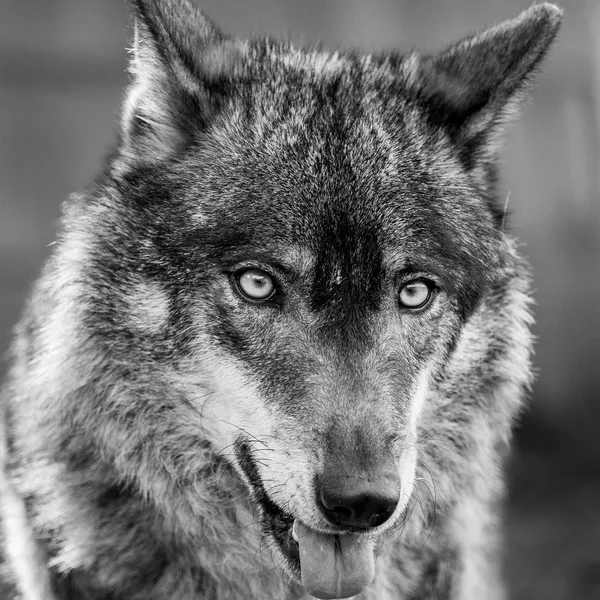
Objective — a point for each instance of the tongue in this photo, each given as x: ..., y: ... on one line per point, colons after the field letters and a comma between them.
x: 334, y: 566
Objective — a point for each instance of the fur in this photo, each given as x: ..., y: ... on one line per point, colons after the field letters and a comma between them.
x: 162, y: 429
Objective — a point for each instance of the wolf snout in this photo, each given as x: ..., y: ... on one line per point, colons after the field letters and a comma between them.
x: 358, y: 501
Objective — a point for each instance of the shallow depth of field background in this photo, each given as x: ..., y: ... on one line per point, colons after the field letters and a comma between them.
x: 62, y: 74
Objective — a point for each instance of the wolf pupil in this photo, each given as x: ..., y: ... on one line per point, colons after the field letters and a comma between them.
x: 256, y: 284
x: 415, y: 294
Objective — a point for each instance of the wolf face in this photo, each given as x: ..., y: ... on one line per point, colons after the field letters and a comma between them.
x: 295, y: 262
x: 326, y: 322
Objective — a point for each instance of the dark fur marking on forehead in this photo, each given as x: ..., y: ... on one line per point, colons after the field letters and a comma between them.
x: 348, y: 274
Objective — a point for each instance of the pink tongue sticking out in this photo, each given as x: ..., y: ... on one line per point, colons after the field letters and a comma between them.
x: 334, y: 566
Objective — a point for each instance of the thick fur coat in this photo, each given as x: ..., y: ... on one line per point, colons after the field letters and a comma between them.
x: 291, y: 280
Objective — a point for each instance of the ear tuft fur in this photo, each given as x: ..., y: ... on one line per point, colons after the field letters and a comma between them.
x: 179, y: 31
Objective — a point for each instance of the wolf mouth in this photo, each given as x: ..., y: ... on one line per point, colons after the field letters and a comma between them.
x: 329, y: 565
x: 276, y: 522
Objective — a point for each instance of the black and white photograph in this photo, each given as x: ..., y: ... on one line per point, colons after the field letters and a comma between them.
x: 299, y: 299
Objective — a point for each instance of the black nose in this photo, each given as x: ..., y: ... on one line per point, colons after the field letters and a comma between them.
x: 359, y: 502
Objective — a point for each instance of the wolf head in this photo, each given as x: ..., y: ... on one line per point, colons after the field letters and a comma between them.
x: 296, y: 259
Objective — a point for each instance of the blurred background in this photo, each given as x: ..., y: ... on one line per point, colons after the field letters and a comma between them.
x: 62, y: 74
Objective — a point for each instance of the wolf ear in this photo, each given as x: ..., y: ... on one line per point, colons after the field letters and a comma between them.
x: 473, y: 88
x: 177, y: 53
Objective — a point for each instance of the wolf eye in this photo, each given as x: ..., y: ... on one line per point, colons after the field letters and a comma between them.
x: 415, y: 294
x: 255, y: 284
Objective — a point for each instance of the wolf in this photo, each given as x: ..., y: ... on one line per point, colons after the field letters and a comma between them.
x: 281, y: 341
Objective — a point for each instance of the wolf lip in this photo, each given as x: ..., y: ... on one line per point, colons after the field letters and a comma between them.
x: 281, y: 530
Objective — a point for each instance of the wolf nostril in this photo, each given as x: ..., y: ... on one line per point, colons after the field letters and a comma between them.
x: 358, y: 502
